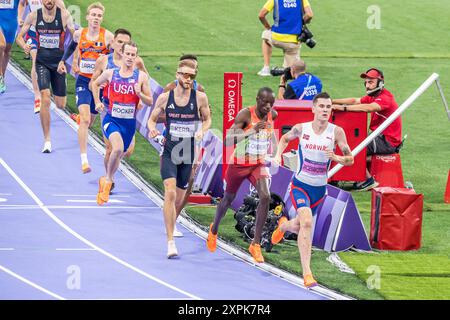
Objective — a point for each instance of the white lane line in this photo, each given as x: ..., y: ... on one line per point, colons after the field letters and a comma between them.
x: 75, y: 249
x: 87, y: 196
x: 5, y: 194
x: 34, y: 285
x: 94, y: 201
x: 84, y: 240
x: 7, y: 249
x: 26, y: 207
x: 133, y: 299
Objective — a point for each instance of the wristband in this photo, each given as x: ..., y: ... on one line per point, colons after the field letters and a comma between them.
x: 282, y: 86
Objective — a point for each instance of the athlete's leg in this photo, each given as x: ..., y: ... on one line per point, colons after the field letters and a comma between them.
x: 60, y: 101
x: 187, y: 193
x: 44, y: 115
x: 2, y: 51
x: 5, y: 58
x: 117, y: 147
x: 37, y: 93
x: 130, y: 150
x: 304, y: 240
x: 85, y: 120
x: 107, y: 151
x: 170, y: 195
x: 262, y: 186
x: 221, y: 210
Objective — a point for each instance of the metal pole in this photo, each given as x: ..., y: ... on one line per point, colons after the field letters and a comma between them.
x: 405, y: 105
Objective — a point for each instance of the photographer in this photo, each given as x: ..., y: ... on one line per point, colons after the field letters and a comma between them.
x: 304, y: 86
x: 287, y: 31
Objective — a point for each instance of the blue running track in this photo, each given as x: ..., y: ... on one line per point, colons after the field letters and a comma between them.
x: 56, y: 243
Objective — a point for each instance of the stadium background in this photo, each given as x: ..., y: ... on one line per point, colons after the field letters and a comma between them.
x: 412, y: 43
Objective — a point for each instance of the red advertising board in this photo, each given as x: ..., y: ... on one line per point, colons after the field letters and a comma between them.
x: 232, y: 104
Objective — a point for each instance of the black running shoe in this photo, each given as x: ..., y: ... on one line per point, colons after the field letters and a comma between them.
x: 366, y: 185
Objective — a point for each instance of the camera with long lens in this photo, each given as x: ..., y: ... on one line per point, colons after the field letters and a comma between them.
x: 307, y: 37
x: 277, y: 71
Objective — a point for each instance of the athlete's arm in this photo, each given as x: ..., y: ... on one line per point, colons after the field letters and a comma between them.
x: 274, y: 136
x: 205, y: 115
x: 29, y: 21
x: 295, y: 132
x: 20, y: 9
x: 236, y: 133
x: 100, y: 66
x: 109, y: 38
x: 143, y: 90
x: 60, y: 4
x: 68, y: 21
x: 103, y: 78
x: 341, y: 140
x: 160, y: 107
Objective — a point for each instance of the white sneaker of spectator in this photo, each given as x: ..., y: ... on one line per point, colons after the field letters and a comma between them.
x: 264, y: 72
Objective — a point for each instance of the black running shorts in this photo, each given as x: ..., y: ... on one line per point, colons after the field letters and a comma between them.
x: 47, y: 77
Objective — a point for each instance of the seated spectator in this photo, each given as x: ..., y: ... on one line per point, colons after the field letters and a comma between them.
x: 381, y: 104
x: 304, y: 86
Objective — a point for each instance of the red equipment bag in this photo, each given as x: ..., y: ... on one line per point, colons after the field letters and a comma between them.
x: 396, y: 219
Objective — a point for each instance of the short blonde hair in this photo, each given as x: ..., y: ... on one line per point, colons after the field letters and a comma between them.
x: 95, y: 5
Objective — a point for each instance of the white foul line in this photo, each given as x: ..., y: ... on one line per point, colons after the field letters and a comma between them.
x: 87, y: 242
x: 34, y: 285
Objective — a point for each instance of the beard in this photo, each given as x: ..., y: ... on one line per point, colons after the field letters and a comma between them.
x: 49, y: 6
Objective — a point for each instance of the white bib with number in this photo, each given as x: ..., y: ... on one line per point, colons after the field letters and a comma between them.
x: 123, y: 111
x: 182, y: 129
x: 258, y: 143
x: 49, y: 41
x: 6, y: 4
x: 87, y: 66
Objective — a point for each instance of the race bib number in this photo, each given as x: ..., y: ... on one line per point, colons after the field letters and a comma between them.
x: 314, y: 167
x: 87, y: 66
x: 6, y: 4
x: 258, y: 144
x: 49, y: 41
x: 123, y: 111
x: 290, y: 3
x: 257, y: 147
x: 182, y: 129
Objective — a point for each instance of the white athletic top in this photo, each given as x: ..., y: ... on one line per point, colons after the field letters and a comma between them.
x: 313, y: 163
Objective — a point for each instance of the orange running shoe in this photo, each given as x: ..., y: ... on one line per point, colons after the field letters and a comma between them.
x: 103, y: 191
x: 85, y: 167
x: 309, y: 281
x: 75, y: 117
x: 255, y: 250
x: 37, y: 106
x: 211, y: 242
x: 277, y: 235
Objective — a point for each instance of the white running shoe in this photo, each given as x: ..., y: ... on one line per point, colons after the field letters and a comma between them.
x: 47, y: 147
x: 171, y: 249
x: 177, y: 233
x: 264, y: 72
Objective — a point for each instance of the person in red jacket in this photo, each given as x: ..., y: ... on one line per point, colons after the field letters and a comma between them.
x: 380, y: 103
